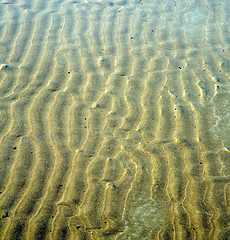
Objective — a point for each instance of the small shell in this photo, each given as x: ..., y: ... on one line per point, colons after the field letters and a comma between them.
x: 101, y: 58
x: 108, y: 91
x: 4, y: 66
x: 95, y: 105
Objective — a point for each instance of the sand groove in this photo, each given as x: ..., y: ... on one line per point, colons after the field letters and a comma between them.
x: 114, y: 119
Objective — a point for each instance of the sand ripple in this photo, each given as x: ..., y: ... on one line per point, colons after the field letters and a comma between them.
x: 114, y: 119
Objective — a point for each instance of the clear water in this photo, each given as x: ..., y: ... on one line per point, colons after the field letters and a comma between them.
x: 114, y: 119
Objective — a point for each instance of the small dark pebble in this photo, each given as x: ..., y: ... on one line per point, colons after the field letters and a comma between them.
x: 114, y: 186
x: 188, y: 234
x: 76, y: 201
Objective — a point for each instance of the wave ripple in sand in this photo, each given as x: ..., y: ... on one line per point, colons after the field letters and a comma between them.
x: 114, y: 119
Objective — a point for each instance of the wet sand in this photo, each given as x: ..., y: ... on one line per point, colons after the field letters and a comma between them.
x: 114, y: 119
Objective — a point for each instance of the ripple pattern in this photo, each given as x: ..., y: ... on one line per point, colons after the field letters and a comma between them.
x: 114, y: 119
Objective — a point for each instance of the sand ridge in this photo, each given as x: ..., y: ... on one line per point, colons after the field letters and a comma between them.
x: 114, y: 119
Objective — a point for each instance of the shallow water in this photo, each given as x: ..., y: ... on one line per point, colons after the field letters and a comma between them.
x: 114, y: 119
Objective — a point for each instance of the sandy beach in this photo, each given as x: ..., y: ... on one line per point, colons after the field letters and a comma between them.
x: 114, y: 119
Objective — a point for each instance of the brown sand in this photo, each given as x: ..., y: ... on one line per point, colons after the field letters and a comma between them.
x: 114, y: 119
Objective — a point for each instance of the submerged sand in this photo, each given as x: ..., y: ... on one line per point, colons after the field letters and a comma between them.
x: 114, y: 119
